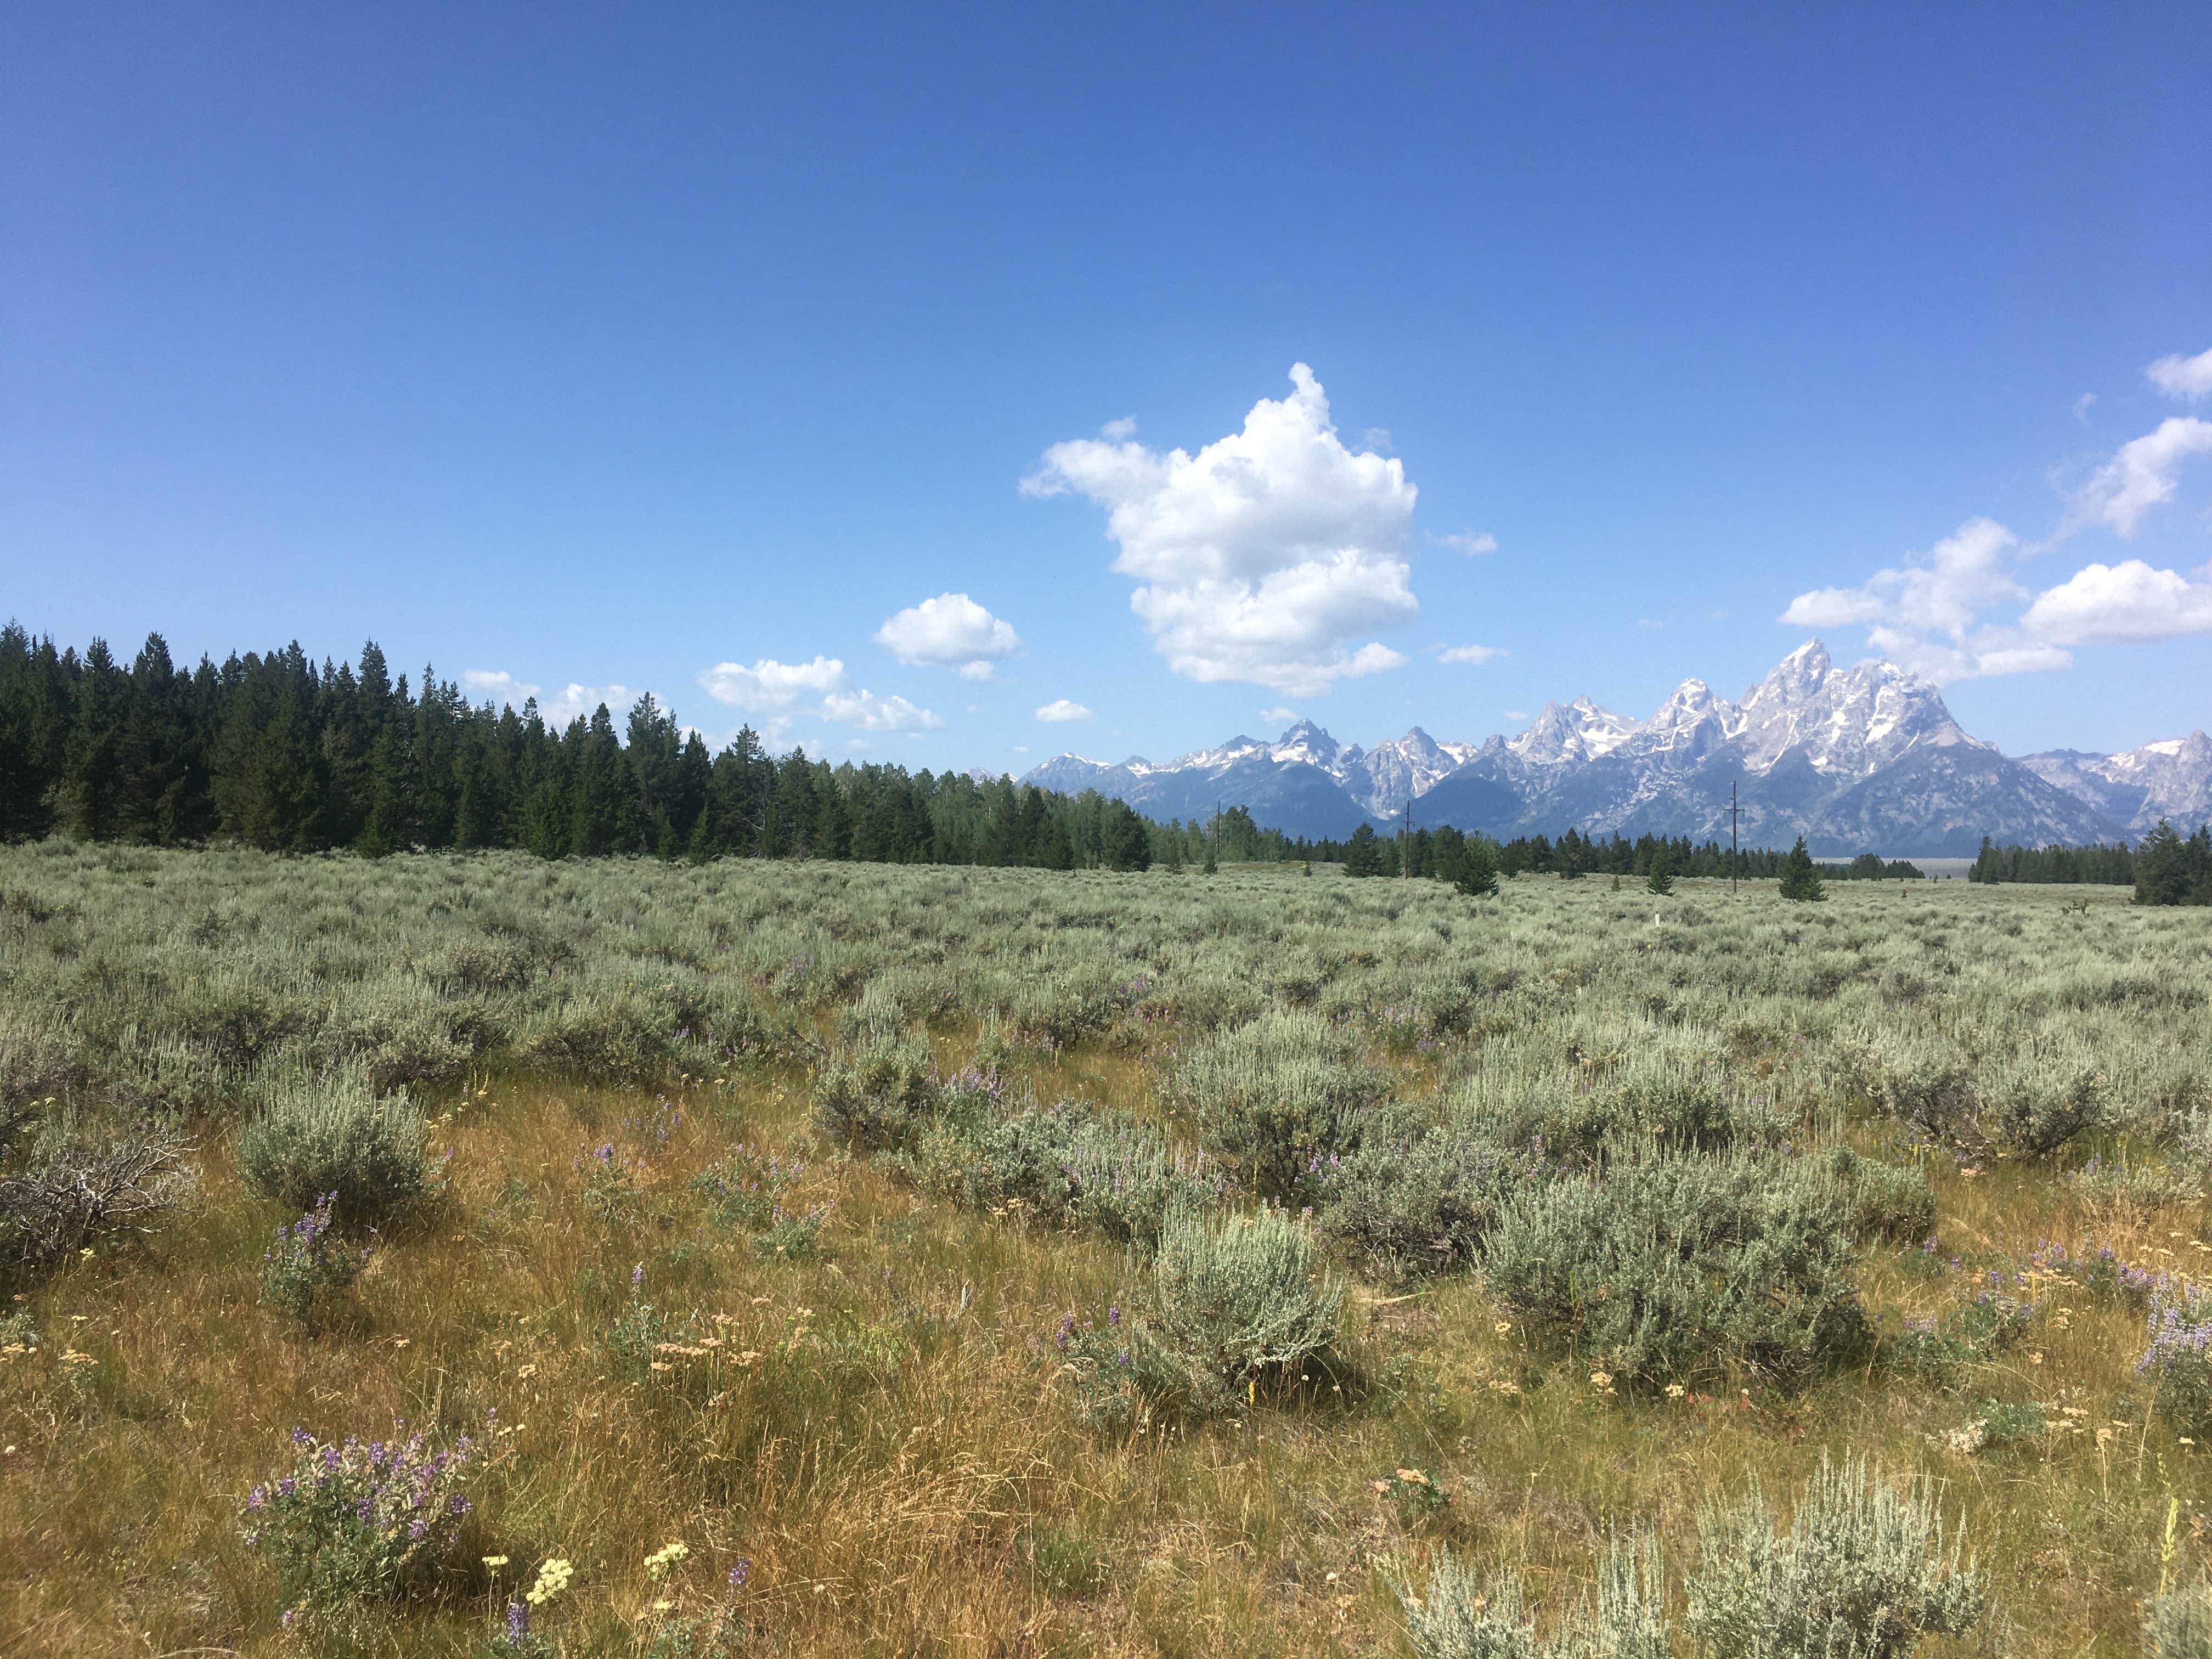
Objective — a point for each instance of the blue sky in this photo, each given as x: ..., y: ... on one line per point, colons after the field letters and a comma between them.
x: 687, y: 348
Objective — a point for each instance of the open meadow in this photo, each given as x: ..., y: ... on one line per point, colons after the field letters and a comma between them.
x: 776, y: 1257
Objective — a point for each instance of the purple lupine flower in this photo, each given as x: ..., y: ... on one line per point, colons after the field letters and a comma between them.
x: 741, y: 1572
x: 417, y: 1528
x: 518, y: 1623
x: 1114, y: 1314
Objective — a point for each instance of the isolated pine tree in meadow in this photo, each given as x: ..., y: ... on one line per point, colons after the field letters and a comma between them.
x: 1800, y: 880
x: 1477, y: 875
x: 1662, y: 879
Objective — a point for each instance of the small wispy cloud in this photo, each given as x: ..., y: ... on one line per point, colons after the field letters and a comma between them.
x: 1473, y: 544
x: 1061, y: 710
x: 1473, y: 655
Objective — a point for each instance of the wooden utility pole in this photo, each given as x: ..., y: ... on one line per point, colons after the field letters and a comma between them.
x: 1731, y: 837
x: 1406, y: 842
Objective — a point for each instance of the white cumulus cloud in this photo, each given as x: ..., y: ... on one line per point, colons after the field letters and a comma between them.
x: 1474, y: 655
x: 778, y: 693
x: 1279, y: 716
x: 573, y: 702
x: 1938, y: 592
x: 2188, y: 377
x: 949, y: 631
x: 580, y: 701
x: 1264, y: 557
x: 1925, y: 615
x: 2144, y: 474
x: 1060, y: 710
x: 2105, y: 604
x: 497, y: 685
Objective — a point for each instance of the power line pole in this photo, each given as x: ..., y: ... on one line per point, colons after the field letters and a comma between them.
x: 1731, y: 838
x: 1405, y: 838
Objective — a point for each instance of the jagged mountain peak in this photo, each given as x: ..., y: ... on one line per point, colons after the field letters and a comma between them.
x: 1795, y: 679
x: 1863, y: 759
x: 1563, y: 733
x: 2167, y: 778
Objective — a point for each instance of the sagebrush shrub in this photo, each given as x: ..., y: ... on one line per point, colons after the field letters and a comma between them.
x: 1578, y: 1123
x: 2178, y: 1624
x: 2035, y: 1105
x: 1267, y: 1098
x: 1870, y: 1199
x: 351, y: 1521
x: 1238, y: 1297
x: 1064, y: 1165
x: 879, y: 1094
x: 1415, y: 1198
x: 330, y: 1134
x: 1125, y: 1179
x: 619, y: 1025
x: 1862, y: 1570
x: 1463, y: 1613
x: 1680, y: 1270
x: 1460, y: 1614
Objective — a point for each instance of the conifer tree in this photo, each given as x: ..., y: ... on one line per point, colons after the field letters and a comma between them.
x: 1477, y: 877
x: 90, y: 796
x: 1361, y: 856
x: 1800, y: 880
x: 1662, y: 879
x: 1127, y: 845
x: 2161, y: 867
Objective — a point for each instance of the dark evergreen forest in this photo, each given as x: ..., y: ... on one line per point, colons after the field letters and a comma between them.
x: 278, y: 752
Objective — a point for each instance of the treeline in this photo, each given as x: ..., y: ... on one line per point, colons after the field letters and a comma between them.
x: 280, y: 753
x: 1436, y: 852
x: 1871, y: 867
x: 2167, y: 868
x: 2114, y: 866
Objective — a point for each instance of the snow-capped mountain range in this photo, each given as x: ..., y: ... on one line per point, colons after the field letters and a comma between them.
x: 1863, y: 759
